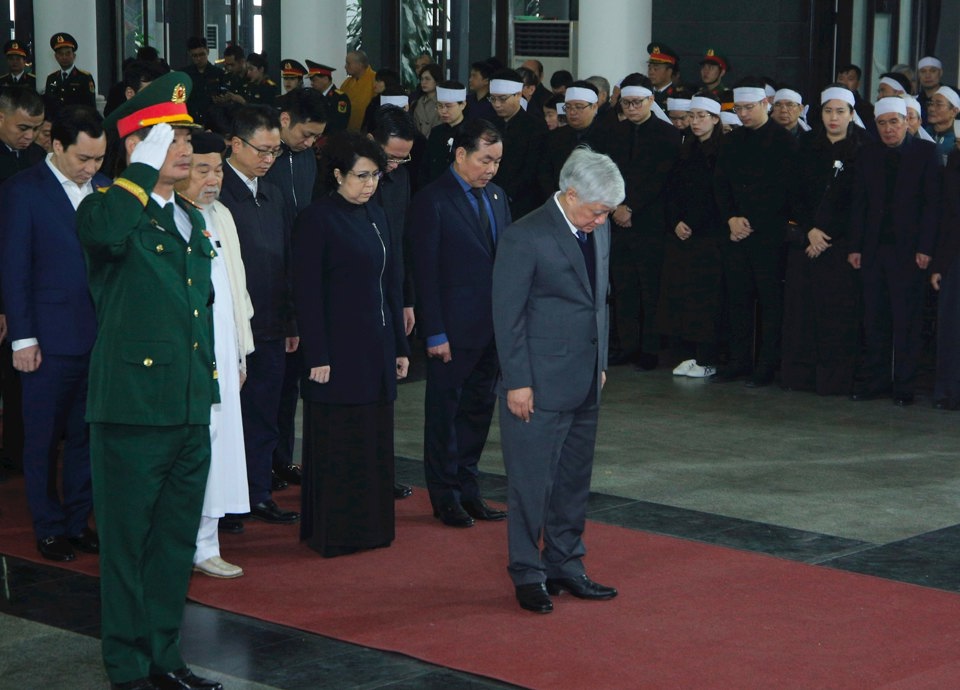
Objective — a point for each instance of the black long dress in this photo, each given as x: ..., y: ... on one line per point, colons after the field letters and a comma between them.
x: 822, y: 312
x: 350, y: 317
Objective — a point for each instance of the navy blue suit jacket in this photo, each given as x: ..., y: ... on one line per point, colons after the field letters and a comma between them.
x: 452, y: 262
x: 42, y: 266
x: 916, y: 202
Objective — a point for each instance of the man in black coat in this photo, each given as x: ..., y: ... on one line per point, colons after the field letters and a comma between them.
x: 303, y: 117
x: 454, y: 224
x: 755, y: 177
x: 896, y: 199
x: 523, y: 137
x: 645, y: 149
x: 580, y: 100
x: 263, y: 228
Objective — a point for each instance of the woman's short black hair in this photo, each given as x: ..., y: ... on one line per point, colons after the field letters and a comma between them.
x: 344, y: 149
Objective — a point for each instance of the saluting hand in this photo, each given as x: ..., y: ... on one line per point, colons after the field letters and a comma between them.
x: 152, y: 149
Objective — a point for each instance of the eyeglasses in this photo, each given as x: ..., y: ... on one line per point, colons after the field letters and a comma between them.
x: 786, y: 105
x: 367, y: 176
x: 500, y: 100
x: 263, y: 154
x: 745, y: 108
x: 576, y: 107
x: 630, y: 103
x: 399, y: 161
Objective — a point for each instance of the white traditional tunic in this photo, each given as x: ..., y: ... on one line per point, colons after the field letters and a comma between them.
x: 227, y: 490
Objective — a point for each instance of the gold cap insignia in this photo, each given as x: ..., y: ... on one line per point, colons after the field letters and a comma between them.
x: 287, y: 65
x: 179, y: 94
x: 656, y: 50
x: 60, y: 39
x: 710, y: 53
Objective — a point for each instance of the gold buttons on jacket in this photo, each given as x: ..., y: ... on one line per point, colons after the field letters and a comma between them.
x: 196, y: 312
x: 189, y: 250
x: 212, y: 253
x: 189, y: 281
x: 196, y: 345
x: 159, y: 249
x: 148, y: 362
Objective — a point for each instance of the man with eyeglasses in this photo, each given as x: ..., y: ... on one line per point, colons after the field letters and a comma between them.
x: 303, y: 117
x: 263, y: 226
x: 581, y: 103
x: 942, y: 109
x: 787, y: 109
x: 755, y: 171
x: 523, y: 137
x: 645, y: 149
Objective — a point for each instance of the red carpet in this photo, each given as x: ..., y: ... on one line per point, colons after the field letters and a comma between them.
x: 688, y: 616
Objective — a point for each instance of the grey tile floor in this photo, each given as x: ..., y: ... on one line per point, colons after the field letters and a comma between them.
x: 865, y: 487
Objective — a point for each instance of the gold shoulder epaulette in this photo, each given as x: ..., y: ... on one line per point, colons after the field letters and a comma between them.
x: 132, y: 187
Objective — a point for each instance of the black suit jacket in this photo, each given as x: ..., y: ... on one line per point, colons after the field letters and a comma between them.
x: 452, y: 262
x: 916, y: 202
x: 523, y: 139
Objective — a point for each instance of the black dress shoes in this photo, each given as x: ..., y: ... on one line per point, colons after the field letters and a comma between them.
x: 453, y: 515
x: 138, y: 684
x: 534, y: 597
x: 277, y: 483
x: 87, y: 541
x: 269, y: 511
x: 184, y: 679
x: 230, y: 525
x: 903, y: 399
x: 581, y: 587
x: 401, y: 491
x: 478, y: 509
x: 290, y: 474
x: 56, y: 548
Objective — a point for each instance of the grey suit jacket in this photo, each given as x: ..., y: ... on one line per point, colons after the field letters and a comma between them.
x: 550, y: 323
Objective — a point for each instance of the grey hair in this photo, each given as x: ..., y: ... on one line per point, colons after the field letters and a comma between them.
x: 603, y: 86
x: 594, y: 177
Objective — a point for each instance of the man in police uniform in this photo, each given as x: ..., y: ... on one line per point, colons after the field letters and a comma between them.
x: 292, y: 73
x: 69, y: 85
x: 17, y: 74
x: 663, y: 67
x: 338, y: 103
x: 713, y: 67
x: 152, y: 383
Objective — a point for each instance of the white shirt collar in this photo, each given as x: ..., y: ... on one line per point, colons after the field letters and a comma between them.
x: 573, y: 228
x: 251, y: 182
x: 74, y: 192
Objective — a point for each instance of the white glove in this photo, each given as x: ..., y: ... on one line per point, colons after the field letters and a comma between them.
x: 153, y: 149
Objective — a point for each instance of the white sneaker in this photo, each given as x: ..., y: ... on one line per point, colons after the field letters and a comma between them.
x: 217, y: 567
x: 684, y: 366
x: 699, y: 372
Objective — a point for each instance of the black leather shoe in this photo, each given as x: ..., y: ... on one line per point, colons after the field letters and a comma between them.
x: 582, y: 587
x: 534, y: 597
x: 138, y: 684
x: 453, y: 515
x: 184, y: 679
x: 276, y: 483
x: 290, y: 474
x: 760, y: 379
x: 478, y: 509
x: 56, y: 548
x: 87, y: 541
x: 730, y: 373
x: 230, y: 526
x: 269, y: 511
x: 903, y: 399
x: 401, y: 491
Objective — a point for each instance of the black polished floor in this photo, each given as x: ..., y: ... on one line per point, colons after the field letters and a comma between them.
x: 291, y: 659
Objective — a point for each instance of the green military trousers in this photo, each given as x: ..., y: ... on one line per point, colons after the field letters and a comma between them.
x: 148, y: 488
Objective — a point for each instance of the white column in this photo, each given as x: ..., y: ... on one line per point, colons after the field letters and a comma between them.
x: 612, y: 38
x: 315, y: 31
x: 50, y: 17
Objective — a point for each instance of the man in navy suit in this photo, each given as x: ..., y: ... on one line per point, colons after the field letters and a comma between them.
x: 52, y: 326
x: 454, y: 224
x: 896, y: 200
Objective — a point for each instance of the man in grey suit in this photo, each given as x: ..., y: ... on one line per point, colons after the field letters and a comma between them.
x: 550, y: 283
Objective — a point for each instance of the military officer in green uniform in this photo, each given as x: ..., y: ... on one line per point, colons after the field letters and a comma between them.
x: 17, y: 75
x: 713, y: 67
x: 69, y: 85
x: 153, y: 380
x: 338, y: 103
x: 259, y: 89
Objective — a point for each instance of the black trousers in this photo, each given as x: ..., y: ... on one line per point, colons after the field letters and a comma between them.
x: 751, y: 269
x: 260, y: 406
x: 636, y: 260
x: 287, y: 419
x: 893, y: 301
x: 458, y: 409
